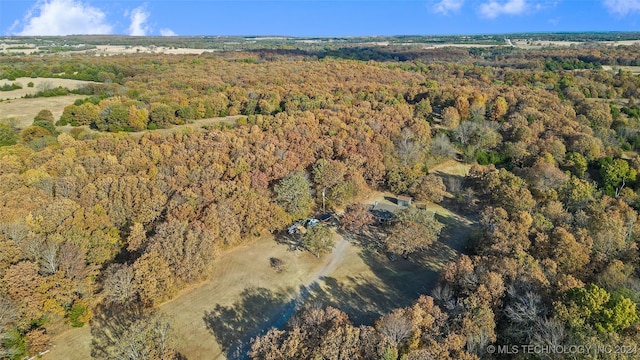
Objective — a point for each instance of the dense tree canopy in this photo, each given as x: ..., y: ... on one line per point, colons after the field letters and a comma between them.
x: 90, y: 220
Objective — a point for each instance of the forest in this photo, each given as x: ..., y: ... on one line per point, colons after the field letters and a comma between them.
x: 101, y: 212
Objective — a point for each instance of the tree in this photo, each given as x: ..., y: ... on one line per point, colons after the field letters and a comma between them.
x: 138, y: 118
x: 153, y: 278
x: 477, y: 111
x: 423, y: 109
x: 22, y: 283
x: 408, y: 147
x: 114, y: 117
x: 318, y: 240
x: 137, y: 237
x: 395, y: 326
x: 119, y: 284
x: 570, y: 254
x: 162, y: 115
x: 357, y: 217
x: 616, y: 174
x: 430, y: 188
x: 441, y: 147
x: 293, y: 194
x: 462, y: 105
x: 596, y: 309
x: 576, y: 163
x: 465, y: 131
x: 130, y: 332
x: 413, y: 230
x: 31, y: 133
x: 327, y: 173
x: 402, y: 178
x: 450, y: 117
x: 499, y: 109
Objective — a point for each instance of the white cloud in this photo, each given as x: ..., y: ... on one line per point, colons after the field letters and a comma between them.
x: 622, y: 7
x: 167, y: 32
x: 138, y: 25
x: 494, y: 8
x: 64, y: 17
x: 448, y: 6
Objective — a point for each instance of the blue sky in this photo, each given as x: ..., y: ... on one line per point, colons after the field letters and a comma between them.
x: 314, y: 17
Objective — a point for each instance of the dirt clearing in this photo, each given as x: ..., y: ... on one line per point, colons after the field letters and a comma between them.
x: 246, y: 296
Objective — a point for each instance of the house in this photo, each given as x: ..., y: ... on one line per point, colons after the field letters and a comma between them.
x: 403, y: 200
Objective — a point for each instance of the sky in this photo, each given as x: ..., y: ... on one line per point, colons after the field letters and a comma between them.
x: 314, y: 17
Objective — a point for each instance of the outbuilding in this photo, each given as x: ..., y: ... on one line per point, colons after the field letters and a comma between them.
x: 402, y: 200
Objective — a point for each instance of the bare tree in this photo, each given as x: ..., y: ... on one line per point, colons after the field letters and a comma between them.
x: 525, y: 309
x: 441, y: 146
x: 7, y: 312
x: 72, y: 261
x: 549, y: 332
x: 395, y: 326
x: 16, y: 231
x: 465, y: 132
x: 49, y: 257
x: 127, y: 332
x: 408, y: 149
x: 118, y: 285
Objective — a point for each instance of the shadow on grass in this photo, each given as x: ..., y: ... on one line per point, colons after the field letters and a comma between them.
x: 396, y: 283
x: 108, y: 325
x: 457, y: 232
x: 257, y: 310
x: 292, y: 241
x: 364, y: 299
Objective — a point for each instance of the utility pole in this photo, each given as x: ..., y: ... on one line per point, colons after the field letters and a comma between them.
x: 323, y: 194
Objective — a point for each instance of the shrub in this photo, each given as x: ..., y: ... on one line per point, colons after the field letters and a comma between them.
x: 44, y: 115
x: 78, y: 315
x: 277, y: 264
x: 7, y: 135
x: 7, y: 87
x: 46, y: 125
x: 33, y: 132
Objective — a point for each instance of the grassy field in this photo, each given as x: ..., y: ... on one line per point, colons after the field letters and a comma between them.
x: 24, y: 110
x: 633, y: 69
x: 39, y: 84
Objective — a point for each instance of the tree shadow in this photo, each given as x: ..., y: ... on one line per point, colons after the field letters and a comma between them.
x: 396, y: 283
x: 109, y: 323
x: 364, y: 298
x: 369, y: 237
x: 292, y: 241
x: 257, y: 310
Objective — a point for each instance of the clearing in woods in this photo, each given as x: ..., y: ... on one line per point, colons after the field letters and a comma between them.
x: 24, y: 110
x: 245, y: 296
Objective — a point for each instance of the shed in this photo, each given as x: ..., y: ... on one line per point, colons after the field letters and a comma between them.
x: 403, y: 200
